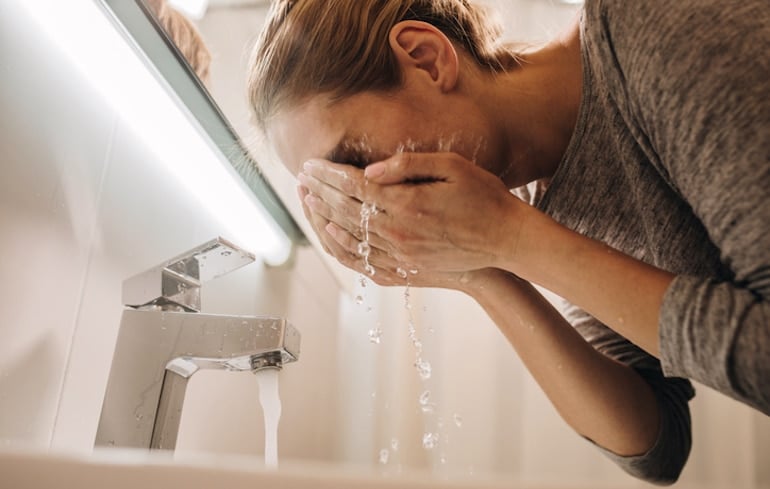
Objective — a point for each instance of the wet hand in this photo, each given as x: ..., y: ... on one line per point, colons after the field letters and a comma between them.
x: 438, y: 212
x: 336, y: 221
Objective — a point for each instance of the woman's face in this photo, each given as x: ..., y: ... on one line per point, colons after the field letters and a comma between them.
x: 369, y: 127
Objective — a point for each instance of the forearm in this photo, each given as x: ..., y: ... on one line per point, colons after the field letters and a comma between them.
x: 620, y: 291
x: 600, y: 398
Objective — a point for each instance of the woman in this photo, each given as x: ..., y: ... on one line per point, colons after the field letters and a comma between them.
x: 639, y: 145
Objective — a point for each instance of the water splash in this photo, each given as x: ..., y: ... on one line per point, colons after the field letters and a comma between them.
x: 423, y: 368
x: 425, y: 404
x: 368, y: 209
x: 394, y: 444
x: 430, y: 440
x: 375, y: 335
x: 384, y: 456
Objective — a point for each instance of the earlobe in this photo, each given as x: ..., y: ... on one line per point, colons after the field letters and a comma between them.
x: 425, y: 50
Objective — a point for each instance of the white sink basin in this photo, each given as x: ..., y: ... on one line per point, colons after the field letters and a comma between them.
x: 118, y: 469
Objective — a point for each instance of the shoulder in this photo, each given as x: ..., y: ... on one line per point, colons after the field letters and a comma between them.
x: 679, y: 66
x: 648, y: 34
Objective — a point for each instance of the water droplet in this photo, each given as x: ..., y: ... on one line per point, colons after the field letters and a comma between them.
x: 394, y: 444
x: 425, y: 405
x: 226, y: 253
x: 359, y: 299
x: 414, y: 271
x: 401, y: 272
x: 429, y: 440
x: 384, y: 456
x: 364, y: 248
x: 458, y: 420
x: 375, y: 336
x: 424, y: 369
x: 425, y: 398
x: 369, y: 209
x: 369, y: 309
x: 369, y: 269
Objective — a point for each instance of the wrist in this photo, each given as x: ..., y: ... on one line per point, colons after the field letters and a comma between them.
x: 477, y: 283
x: 528, y: 237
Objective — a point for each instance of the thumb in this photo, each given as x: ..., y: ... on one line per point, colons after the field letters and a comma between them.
x: 405, y: 167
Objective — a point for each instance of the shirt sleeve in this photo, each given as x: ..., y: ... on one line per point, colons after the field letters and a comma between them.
x: 664, y: 461
x: 694, y: 82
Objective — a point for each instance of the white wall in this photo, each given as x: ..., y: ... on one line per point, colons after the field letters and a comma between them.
x: 84, y: 205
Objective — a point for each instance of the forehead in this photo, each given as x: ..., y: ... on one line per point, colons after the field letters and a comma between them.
x: 318, y: 129
x: 305, y: 131
x: 352, y: 130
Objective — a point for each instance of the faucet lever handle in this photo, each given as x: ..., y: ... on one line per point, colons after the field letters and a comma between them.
x: 177, y: 282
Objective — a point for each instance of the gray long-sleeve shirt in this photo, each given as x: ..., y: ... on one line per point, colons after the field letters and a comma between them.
x: 670, y: 163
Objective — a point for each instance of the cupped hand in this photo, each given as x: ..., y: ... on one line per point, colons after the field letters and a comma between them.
x: 343, y: 244
x: 437, y: 212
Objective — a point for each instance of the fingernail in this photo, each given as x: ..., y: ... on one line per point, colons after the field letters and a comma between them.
x: 375, y: 170
x: 309, y: 164
x: 311, y: 201
x: 331, y: 229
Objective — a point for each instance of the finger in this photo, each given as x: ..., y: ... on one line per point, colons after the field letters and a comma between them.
x: 380, y: 260
x: 333, y: 204
x: 410, y: 167
x: 345, y: 178
x: 317, y: 223
x: 320, y: 207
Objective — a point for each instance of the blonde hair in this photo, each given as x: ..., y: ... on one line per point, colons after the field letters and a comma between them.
x: 340, y: 47
x: 185, y: 36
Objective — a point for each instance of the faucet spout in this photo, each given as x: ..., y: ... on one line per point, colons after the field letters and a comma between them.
x: 158, y: 351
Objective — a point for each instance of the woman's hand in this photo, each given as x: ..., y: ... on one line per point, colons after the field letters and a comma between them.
x: 437, y: 211
x: 343, y: 244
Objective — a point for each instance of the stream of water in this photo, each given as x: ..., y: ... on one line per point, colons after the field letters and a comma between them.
x: 270, y: 400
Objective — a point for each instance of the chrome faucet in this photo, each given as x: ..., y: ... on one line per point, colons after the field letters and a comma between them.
x: 164, y: 339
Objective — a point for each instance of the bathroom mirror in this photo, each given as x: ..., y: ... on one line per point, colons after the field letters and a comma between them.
x: 146, y: 22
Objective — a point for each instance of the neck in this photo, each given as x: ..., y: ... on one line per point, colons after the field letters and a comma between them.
x: 540, y: 102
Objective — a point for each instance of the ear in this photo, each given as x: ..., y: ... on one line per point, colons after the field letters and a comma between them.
x: 422, y: 49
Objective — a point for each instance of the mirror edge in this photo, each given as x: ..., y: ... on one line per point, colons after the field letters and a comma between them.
x: 133, y: 17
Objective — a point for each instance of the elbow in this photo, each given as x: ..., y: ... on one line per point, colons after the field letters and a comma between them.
x: 660, y: 466
x: 663, y: 463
